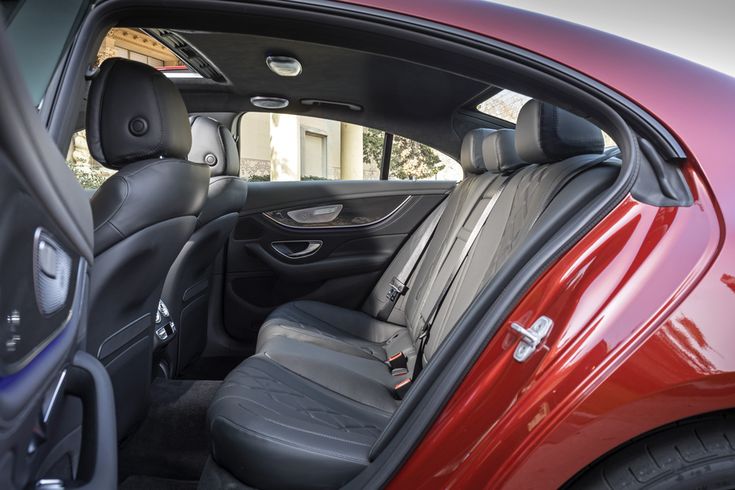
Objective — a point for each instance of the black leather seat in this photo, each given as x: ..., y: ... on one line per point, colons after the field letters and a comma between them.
x: 137, y: 123
x: 186, y: 289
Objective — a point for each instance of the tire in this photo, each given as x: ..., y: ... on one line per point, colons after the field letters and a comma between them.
x: 694, y: 454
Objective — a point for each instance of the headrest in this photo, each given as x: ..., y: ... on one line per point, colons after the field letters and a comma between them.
x: 546, y: 133
x: 471, y: 152
x: 490, y: 150
x: 213, y: 144
x: 135, y: 113
x: 499, y: 152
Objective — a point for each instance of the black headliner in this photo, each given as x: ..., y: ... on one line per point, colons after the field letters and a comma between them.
x: 399, y: 96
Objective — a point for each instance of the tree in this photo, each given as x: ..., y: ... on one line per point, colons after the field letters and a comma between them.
x: 410, y: 160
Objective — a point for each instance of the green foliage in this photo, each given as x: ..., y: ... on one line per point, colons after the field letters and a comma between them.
x: 410, y: 160
x: 88, y: 178
x: 259, y: 178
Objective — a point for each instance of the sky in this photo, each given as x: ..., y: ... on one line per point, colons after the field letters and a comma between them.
x: 702, y: 31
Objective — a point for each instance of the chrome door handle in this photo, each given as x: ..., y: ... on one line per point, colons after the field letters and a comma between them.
x: 297, y: 249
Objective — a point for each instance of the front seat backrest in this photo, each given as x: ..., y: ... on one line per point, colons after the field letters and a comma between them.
x: 186, y: 291
x: 137, y: 124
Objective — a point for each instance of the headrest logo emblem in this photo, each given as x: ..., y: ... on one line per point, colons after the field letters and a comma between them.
x: 138, y: 126
x: 210, y: 159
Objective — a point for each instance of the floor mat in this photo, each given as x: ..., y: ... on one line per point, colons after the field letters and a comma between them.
x: 173, y: 441
x: 139, y: 482
x: 211, y: 367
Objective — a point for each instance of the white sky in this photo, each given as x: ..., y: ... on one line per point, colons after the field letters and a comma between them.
x: 702, y: 31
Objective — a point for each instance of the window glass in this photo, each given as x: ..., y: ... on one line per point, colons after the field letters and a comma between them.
x: 90, y: 173
x: 288, y: 147
x: 410, y: 160
x: 39, y: 32
x: 504, y: 105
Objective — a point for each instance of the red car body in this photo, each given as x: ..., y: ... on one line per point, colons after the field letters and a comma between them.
x: 643, y: 305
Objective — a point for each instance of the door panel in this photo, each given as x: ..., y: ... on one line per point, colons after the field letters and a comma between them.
x: 320, y: 240
x: 52, y: 397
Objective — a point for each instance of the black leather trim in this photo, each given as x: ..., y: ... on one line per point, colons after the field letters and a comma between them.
x: 134, y: 113
x: 499, y: 152
x: 145, y: 193
x: 213, y: 144
x: 546, y: 133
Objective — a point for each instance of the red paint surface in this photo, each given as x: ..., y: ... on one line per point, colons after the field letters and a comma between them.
x: 644, y: 305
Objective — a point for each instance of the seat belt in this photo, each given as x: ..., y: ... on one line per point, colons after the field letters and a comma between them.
x: 397, y: 286
x: 426, y: 330
x: 464, y: 253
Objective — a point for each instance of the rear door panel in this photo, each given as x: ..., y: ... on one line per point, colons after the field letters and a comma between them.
x: 320, y: 240
x: 45, y: 251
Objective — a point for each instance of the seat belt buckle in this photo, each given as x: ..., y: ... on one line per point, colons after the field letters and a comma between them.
x: 395, y: 289
x: 397, y: 361
x: 402, y: 388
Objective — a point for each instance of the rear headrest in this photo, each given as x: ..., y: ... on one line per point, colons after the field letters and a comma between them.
x: 545, y: 133
x: 499, y: 151
x: 490, y: 150
x: 135, y: 113
x: 213, y: 144
x: 471, y: 152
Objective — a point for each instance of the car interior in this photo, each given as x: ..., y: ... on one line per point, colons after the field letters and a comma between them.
x: 295, y: 333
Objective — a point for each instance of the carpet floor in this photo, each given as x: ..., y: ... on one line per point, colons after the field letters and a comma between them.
x: 172, y: 444
x: 211, y: 368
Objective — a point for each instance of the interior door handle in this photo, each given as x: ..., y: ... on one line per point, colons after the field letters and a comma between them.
x: 297, y: 249
x: 316, y: 215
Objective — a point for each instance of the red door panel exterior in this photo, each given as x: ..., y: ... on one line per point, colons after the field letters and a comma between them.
x: 636, y: 344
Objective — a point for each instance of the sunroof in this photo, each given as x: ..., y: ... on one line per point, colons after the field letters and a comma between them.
x: 504, y: 105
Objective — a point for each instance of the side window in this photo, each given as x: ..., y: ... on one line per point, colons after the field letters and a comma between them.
x: 132, y: 44
x: 276, y: 146
x: 90, y: 173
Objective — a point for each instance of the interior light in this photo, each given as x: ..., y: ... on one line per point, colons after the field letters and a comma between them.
x: 284, y: 66
x: 269, y: 102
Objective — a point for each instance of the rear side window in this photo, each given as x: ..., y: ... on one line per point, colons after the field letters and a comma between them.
x: 282, y: 147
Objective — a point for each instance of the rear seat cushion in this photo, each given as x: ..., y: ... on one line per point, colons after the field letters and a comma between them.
x: 273, y: 429
x: 336, y: 328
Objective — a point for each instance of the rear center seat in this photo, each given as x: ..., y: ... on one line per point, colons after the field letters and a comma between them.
x: 306, y: 409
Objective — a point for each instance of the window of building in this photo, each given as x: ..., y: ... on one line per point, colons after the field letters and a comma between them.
x: 288, y: 147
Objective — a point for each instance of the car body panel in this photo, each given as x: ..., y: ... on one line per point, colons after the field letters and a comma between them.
x: 635, y: 346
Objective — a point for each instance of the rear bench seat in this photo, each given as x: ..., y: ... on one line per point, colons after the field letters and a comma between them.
x: 305, y: 411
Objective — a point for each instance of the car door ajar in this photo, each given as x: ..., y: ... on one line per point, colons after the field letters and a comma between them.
x: 57, y: 423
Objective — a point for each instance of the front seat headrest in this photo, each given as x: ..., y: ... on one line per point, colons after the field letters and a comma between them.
x: 546, y: 133
x: 490, y: 150
x: 213, y: 144
x: 135, y: 113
